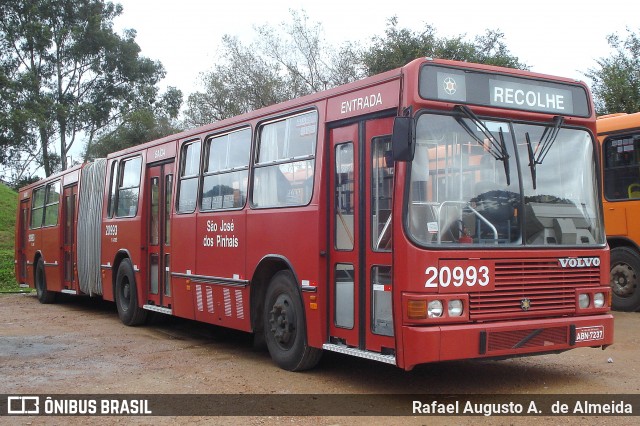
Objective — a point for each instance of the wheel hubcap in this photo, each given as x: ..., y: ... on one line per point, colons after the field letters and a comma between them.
x: 623, y: 279
x: 125, y: 291
x: 125, y: 294
x: 282, y: 320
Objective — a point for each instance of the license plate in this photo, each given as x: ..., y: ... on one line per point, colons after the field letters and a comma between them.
x: 587, y: 334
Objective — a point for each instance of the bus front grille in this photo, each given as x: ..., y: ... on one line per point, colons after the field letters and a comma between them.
x: 531, y: 288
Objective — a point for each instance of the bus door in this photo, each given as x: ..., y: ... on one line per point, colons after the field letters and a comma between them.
x: 160, y: 187
x: 21, y: 258
x: 69, y: 196
x: 361, y: 184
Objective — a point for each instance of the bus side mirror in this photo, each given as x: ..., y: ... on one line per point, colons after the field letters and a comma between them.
x: 403, y: 139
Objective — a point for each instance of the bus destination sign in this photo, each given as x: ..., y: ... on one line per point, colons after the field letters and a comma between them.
x: 530, y: 96
x: 502, y: 91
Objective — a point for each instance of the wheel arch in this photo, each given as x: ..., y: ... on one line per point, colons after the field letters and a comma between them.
x: 36, y: 258
x: 625, y: 275
x: 615, y: 242
x: 267, y: 267
x: 121, y: 255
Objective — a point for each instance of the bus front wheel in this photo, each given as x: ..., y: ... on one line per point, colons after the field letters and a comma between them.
x: 127, y: 296
x: 625, y: 279
x: 284, y: 325
x: 44, y: 296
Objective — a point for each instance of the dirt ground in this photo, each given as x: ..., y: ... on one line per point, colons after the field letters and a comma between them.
x: 79, y: 346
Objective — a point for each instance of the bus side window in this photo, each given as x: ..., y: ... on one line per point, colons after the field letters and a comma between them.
x: 44, y: 209
x: 111, y: 207
x: 286, y: 162
x: 128, y: 187
x: 189, y: 176
x: 226, y: 173
x: 621, y: 168
x: 37, y: 207
x: 52, y: 203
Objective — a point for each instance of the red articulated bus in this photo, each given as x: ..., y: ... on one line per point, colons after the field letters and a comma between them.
x: 439, y: 211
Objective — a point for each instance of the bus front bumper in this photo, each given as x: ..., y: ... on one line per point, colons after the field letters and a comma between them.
x: 503, y: 339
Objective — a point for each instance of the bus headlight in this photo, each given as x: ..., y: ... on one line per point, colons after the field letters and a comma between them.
x: 583, y: 301
x: 434, y: 309
x: 598, y: 300
x: 427, y: 309
x: 455, y: 307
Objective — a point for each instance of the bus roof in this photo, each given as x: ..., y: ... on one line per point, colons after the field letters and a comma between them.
x: 616, y: 123
x: 307, y: 100
x: 271, y: 110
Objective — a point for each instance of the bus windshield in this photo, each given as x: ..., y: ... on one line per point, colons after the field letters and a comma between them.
x: 489, y: 182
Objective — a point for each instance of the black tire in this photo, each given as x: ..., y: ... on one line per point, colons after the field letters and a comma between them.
x: 44, y: 296
x: 625, y: 279
x: 284, y: 325
x: 127, y: 296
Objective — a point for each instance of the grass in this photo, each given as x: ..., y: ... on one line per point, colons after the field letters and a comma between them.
x: 8, y: 208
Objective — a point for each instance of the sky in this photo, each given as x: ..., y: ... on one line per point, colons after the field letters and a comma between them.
x: 557, y: 37
x: 560, y: 37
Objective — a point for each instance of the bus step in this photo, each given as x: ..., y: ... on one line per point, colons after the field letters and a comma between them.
x: 388, y: 359
x: 160, y: 309
x: 67, y: 291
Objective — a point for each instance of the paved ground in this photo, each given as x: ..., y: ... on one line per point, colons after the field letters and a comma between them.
x: 79, y: 346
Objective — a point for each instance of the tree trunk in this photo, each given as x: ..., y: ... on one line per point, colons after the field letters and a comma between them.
x: 44, y: 141
x: 63, y: 144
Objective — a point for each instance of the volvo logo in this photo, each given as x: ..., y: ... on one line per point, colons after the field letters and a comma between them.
x: 579, y: 262
x: 525, y: 304
x: 450, y: 85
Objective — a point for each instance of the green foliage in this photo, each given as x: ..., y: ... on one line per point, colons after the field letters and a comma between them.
x: 284, y: 64
x: 616, y: 80
x: 7, y: 276
x: 137, y: 127
x: 67, y: 74
x: 242, y: 82
x: 24, y: 182
x: 8, y: 208
x: 400, y: 46
x: 293, y: 61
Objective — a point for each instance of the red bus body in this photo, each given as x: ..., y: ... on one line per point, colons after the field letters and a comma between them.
x: 293, y: 222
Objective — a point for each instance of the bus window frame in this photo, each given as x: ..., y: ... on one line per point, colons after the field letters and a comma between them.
x: 31, y: 206
x: 119, y: 187
x: 607, y: 144
x: 257, y: 146
x: 45, y: 203
x: 48, y: 204
x: 204, y: 173
x: 180, y: 175
x: 112, y: 194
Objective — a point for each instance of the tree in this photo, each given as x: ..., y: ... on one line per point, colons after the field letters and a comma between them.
x: 401, y: 45
x: 70, y: 74
x: 284, y: 64
x: 293, y: 61
x: 139, y: 126
x: 616, y: 80
x: 241, y: 82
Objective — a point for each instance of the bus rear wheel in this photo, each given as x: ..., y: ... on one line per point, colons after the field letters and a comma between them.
x: 44, y: 296
x: 127, y: 296
x: 284, y: 326
x: 625, y: 279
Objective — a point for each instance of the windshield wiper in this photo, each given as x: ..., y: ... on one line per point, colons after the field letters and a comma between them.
x: 544, y: 145
x: 497, y: 149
